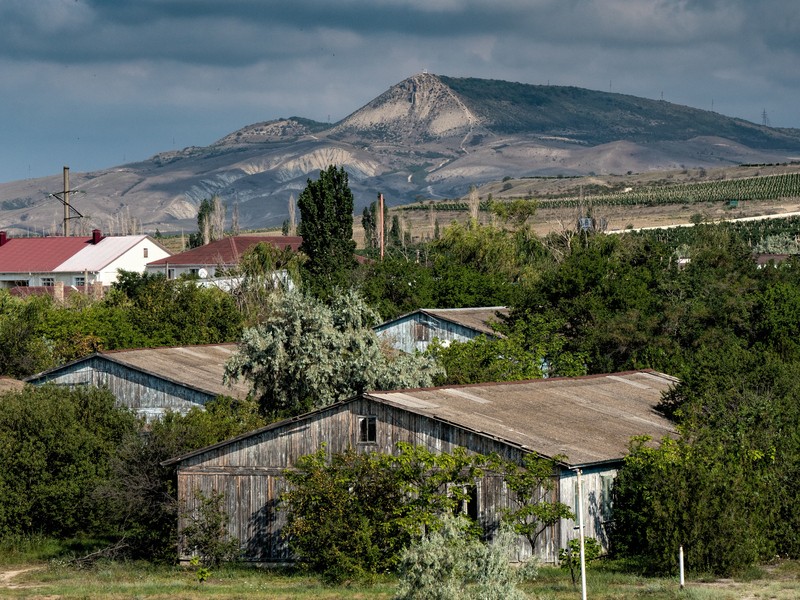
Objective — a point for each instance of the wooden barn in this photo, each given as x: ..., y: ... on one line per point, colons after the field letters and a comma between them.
x: 588, y: 419
x: 415, y: 330
x: 153, y: 380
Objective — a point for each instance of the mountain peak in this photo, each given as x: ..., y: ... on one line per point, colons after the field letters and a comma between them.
x: 419, y: 108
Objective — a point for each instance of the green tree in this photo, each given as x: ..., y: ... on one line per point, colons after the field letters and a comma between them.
x: 535, y: 508
x: 516, y: 212
x: 140, y: 493
x: 56, y: 446
x: 726, y: 488
x: 23, y: 349
x: 370, y: 227
x: 326, y: 225
x: 396, y: 285
x: 168, y: 312
x: 307, y: 354
x: 264, y: 271
x: 341, y: 519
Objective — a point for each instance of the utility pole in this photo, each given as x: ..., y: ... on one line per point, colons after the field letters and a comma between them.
x: 63, y: 197
x: 380, y: 222
x: 580, y: 528
x: 66, y: 201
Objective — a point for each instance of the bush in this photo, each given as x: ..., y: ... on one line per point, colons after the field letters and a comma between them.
x: 570, y: 557
x: 56, y: 446
x: 206, y: 534
x: 339, y: 515
x: 450, y: 563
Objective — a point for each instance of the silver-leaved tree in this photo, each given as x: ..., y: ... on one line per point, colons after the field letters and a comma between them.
x: 307, y: 353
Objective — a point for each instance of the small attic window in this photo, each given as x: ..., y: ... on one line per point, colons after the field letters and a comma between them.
x: 145, y: 252
x: 367, y: 429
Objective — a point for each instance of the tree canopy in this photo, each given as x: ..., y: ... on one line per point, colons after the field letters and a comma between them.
x: 306, y: 354
x: 326, y: 225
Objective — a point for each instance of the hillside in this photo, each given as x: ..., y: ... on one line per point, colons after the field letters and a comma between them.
x: 426, y: 137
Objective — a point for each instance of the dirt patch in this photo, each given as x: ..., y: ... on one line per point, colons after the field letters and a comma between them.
x: 8, y: 575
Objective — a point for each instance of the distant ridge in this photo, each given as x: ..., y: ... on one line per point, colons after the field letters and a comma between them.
x: 428, y: 136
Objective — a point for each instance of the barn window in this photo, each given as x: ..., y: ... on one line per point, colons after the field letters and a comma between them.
x: 421, y: 333
x: 471, y: 505
x: 606, y: 485
x: 367, y: 429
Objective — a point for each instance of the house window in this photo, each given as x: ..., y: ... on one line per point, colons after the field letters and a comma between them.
x: 48, y: 281
x: 145, y: 252
x: 80, y: 281
x: 367, y: 429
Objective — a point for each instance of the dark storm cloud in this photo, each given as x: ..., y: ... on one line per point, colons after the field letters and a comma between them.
x: 202, y: 68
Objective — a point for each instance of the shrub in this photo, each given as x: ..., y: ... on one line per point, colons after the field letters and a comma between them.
x: 206, y: 534
x: 570, y: 557
x: 451, y: 563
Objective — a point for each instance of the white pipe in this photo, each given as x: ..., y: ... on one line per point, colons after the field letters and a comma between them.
x: 580, y: 529
x: 680, y: 562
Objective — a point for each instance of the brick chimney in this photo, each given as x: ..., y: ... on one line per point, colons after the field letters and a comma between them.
x: 97, y: 235
x: 3, y: 237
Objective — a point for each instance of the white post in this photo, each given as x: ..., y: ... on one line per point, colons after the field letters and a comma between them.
x: 580, y: 530
x: 680, y: 563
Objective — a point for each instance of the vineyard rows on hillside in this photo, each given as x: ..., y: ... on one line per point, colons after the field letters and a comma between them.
x: 768, y: 187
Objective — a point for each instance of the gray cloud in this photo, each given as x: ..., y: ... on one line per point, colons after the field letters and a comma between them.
x: 134, y: 71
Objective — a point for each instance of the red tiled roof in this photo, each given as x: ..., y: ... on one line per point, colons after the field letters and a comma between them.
x: 227, y: 251
x: 38, y: 255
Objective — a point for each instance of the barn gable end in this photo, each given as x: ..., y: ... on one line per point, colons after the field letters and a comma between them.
x: 507, y: 419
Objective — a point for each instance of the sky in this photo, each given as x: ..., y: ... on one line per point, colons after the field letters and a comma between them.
x: 92, y: 84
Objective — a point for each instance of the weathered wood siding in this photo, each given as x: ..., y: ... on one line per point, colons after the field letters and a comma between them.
x: 144, y: 393
x: 248, y: 470
x: 596, y: 486
x: 417, y: 330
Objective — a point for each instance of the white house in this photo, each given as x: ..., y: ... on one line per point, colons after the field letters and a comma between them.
x: 73, y: 261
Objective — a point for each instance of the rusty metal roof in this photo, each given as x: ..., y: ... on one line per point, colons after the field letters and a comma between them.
x: 226, y: 252
x: 8, y: 384
x: 589, y: 419
x: 478, y: 319
x: 201, y: 367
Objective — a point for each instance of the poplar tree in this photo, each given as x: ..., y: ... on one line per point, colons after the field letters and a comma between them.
x: 326, y: 225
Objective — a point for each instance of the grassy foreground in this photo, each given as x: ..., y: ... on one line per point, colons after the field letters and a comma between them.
x: 117, y: 581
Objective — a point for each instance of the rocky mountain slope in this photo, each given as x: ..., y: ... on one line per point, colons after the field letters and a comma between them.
x: 428, y: 136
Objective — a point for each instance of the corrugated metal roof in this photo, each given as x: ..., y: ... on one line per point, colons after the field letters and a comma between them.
x: 589, y: 419
x: 201, y: 367
x: 7, y: 384
x: 95, y: 257
x: 478, y: 319
x: 227, y: 251
x: 39, y: 255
